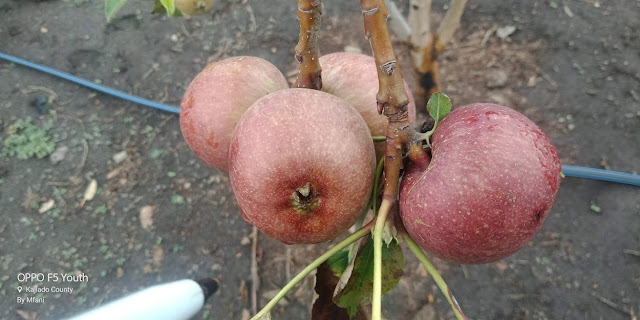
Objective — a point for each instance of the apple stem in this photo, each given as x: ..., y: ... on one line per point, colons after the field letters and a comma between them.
x: 432, y: 271
x: 313, y: 265
x: 309, y: 14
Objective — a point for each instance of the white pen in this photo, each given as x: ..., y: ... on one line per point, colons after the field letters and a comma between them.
x: 179, y: 300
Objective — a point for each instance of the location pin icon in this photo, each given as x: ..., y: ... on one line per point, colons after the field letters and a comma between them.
x: 19, y: 289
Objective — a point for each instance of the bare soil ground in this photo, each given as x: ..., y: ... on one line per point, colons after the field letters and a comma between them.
x: 160, y: 214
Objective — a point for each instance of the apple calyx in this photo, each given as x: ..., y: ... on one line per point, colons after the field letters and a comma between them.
x: 305, y: 199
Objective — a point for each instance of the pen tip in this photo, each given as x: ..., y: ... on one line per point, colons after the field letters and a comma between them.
x: 209, y: 286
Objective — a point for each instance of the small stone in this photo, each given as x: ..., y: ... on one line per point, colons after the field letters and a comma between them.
x: 245, y: 241
x: 146, y: 216
x: 119, y: 157
x: 352, y: 49
x: 426, y: 313
x: 496, y: 79
x: 58, y: 155
x: 504, y: 32
x: 246, y: 314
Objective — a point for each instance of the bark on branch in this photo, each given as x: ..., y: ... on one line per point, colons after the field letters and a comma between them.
x: 309, y: 14
x: 392, y: 97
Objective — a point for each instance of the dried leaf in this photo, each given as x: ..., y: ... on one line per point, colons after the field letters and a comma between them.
x: 47, y: 206
x: 27, y: 315
x: 146, y: 216
x: 568, y: 11
x: 92, y: 188
x: 158, y: 255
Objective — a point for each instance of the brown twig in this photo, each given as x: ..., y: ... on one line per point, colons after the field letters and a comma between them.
x: 307, y: 54
x: 449, y: 24
x: 397, y: 23
x: 612, y: 304
x: 632, y: 252
x: 392, y: 97
x: 420, y: 22
x: 426, y: 46
x: 255, y: 278
x: 52, y: 95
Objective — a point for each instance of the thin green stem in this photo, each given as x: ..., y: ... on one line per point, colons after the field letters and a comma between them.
x: 379, y: 138
x: 376, y: 302
x: 417, y: 251
x: 312, y: 266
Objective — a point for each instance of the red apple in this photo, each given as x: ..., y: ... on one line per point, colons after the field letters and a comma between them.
x: 216, y: 99
x: 301, y: 165
x: 488, y: 188
x: 353, y: 77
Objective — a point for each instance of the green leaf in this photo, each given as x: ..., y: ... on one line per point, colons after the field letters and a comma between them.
x: 439, y: 106
x: 360, y: 285
x: 167, y: 6
x: 338, y: 262
x: 324, y: 307
x: 111, y: 7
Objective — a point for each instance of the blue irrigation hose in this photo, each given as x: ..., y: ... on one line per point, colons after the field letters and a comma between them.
x: 567, y: 170
x: 94, y: 86
x: 600, y: 174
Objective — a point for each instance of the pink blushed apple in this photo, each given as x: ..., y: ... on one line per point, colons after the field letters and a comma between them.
x: 217, y: 98
x: 301, y: 165
x: 353, y: 77
x: 489, y: 186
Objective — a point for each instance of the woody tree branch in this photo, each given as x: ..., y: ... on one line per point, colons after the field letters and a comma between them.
x: 392, y: 101
x: 307, y: 53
